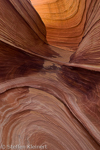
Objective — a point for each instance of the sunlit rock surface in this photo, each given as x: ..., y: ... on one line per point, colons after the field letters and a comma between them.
x: 48, y: 98
x: 64, y: 20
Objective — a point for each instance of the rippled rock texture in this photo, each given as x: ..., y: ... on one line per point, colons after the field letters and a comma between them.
x: 50, y: 85
x: 64, y: 20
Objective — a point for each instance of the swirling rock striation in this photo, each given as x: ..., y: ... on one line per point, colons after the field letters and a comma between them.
x: 44, y: 100
x: 89, y: 49
x: 64, y: 20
